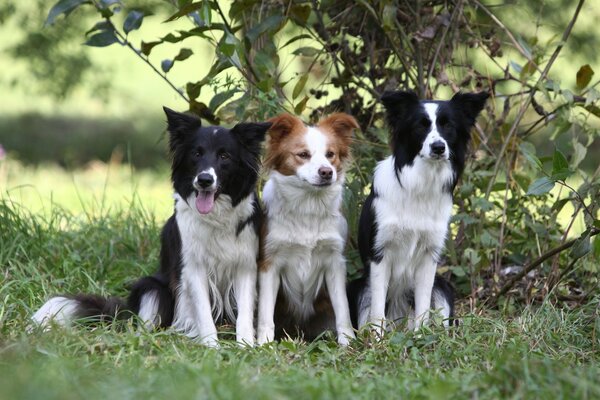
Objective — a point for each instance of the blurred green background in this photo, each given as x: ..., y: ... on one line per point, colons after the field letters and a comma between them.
x: 85, y: 125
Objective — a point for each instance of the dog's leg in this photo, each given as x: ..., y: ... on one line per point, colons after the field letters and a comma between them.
x: 379, y: 282
x: 199, y: 294
x: 335, y: 278
x: 424, y: 277
x: 268, y: 287
x: 245, y: 298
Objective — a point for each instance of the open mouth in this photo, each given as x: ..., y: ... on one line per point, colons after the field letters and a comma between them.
x: 205, y: 200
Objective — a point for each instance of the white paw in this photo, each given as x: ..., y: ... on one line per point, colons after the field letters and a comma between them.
x: 265, y: 335
x: 210, y: 341
x: 345, y: 336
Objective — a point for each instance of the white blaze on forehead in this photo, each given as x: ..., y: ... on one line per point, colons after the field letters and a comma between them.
x: 431, y: 110
x: 316, y: 142
x: 433, y: 135
x: 215, y: 131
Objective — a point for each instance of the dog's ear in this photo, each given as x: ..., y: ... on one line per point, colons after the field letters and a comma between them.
x: 251, y: 134
x: 179, y: 124
x: 397, y: 102
x: 470, y: 105
x: 283, y: 125
x: 342, y: 125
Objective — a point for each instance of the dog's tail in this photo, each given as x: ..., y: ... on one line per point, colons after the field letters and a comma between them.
x: 442, y: 298
x: 64, y: 309
x: 150, y: 299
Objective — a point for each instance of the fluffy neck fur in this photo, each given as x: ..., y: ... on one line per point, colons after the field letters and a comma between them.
x: 286, y: 195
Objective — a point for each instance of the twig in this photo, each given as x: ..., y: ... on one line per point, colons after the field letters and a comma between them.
x: 525, y: 105
x: 515, y: 42
x: 529, y: 267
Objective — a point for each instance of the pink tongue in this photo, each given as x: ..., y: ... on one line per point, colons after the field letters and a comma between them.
x: 205, y: 201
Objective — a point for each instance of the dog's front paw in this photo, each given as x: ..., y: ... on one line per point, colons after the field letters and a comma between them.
x: 265, y: 335
x: 245, y: 338
x: 345, y: 336
x: 210, y: 341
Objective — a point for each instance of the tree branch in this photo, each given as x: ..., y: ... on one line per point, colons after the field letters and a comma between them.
x: 535, y: 263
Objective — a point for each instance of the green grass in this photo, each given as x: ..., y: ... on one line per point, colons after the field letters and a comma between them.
x: 542, y: 352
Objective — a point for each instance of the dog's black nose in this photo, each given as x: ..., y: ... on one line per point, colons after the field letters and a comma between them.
x: 326, y: 173
x: 438, y: 147
x: 205, y: 180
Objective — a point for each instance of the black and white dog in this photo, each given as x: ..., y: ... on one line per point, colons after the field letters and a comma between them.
x: 404, y: 221
x: 209, y: 246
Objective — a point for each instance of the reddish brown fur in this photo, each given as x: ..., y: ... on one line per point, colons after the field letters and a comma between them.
x: 286, y: 140
x: 339, y: 127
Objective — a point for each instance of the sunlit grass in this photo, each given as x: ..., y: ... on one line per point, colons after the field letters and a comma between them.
x: 543, y: 352
x: 95, y: 190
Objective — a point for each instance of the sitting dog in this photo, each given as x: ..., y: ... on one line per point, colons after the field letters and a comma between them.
x: 304, y: 232
x: 404, y: 220
x: 209, y: 246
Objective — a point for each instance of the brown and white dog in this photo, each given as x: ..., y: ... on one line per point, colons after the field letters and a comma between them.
x: 304, y: 232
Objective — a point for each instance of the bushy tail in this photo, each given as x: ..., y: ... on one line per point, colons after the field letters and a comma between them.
x: 63, y: 310
x: 150, y: 299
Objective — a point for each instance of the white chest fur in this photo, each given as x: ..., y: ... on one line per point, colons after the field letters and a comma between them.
x: 212, y: 251
x: 412, y: 215
x: 306, y: 235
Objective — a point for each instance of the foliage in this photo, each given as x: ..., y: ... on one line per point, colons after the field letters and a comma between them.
x: 534, y: 126
x: 544, y: 352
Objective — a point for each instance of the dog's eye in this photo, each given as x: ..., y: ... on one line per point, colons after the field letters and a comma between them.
x: 330, y: 154
x: 198, y: 153
x: 443, y: 122
x: 424, y: 122
x: 305, y: 155
x: 224, y: 155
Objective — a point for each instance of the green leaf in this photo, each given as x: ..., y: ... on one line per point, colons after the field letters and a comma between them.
x: 221, y: 98
x: 271, y: 24
x: 528, y: 151
x: 582, y: 246
x: 102, y: 39
x: 147, y: 47
x: 597, y: 246
x: 166, y: 65
x: 295, y: 39
x: 306, y: 51
x: 99, y: 26
x: 301, y: 105
x: 183, y: 54
x: 560, y: 166
x: 185, y: 10
x: 584, y: 76
x: 133, y: 21
x: 228, y: 44
x: 63, y: 7
x: 540, y: 186
x: 193, y: 89
x: 206, y: 13
x: 299, y: 86
x: 300, y: 13
x: 579, y: 153
x: 559, y: 161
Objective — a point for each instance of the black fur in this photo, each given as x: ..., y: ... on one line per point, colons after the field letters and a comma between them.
x: 409, y: 125
x: 234, y: 155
